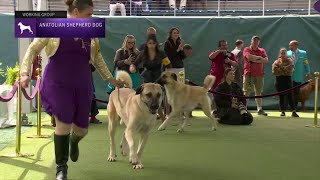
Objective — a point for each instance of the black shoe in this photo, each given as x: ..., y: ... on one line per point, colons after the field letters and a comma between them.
x: 94, y: 121
x: 262, y: 113
x: 74, y: 148
x: 283, y: 114
x: 61, y: 146
x: 294, y: 114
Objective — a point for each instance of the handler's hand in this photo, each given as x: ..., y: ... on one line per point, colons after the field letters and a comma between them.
x: 24, y: 81
x: 116, y: 83
x: 132, y: 69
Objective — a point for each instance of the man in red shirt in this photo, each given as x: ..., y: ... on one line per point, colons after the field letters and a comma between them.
x: 254, y: 60
x: 220, y: 60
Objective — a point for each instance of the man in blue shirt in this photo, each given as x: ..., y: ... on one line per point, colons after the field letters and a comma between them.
x: 301, y: 66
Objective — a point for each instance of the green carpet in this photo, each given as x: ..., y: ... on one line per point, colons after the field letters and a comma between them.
x: 9, y: 134
x: 272, y: 148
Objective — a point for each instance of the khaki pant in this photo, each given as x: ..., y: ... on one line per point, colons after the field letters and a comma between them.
x: 253, y: 82
x: 183, y: 3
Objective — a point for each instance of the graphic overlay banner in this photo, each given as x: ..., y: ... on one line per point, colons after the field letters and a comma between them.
x: 40, y: 14
x: 60, y: 27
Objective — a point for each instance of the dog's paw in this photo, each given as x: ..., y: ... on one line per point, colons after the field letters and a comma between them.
x: 124, y: 150
x: 134, y: 160
x: 112, y: 158
x: 138, y: 166
x: 213, y: 128
x: 180, y: 130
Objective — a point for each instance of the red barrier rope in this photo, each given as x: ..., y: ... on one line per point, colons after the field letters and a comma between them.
x: 34, y: 93
x: 253, y: 97
x: 11, y: 94
x: 102, y: 101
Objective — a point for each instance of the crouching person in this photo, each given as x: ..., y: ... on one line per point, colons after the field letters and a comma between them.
x: 231, y: 110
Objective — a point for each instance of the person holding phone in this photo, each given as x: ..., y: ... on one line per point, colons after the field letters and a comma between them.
x: 66, y: 89
x: 125, y: 56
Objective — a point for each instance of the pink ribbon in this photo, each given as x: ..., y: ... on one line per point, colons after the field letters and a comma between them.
x: 102, y: 101
x: 34, y: 93
x: 11, y: 94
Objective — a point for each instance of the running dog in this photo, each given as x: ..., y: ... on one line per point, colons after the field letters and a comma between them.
x: 184, y: 98
x: 138, y: 111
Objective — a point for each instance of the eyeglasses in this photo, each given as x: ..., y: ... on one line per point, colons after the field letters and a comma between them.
x: 130, y: 42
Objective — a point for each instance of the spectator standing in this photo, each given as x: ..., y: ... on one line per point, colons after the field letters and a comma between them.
x: 150, y: 30
x: 151, y: 62
x: 124, y: 57
x: 283, y: 68
x: 254, y: 60
x: 301, y: 67
x: 173, y: 47
x: 117, y: 5
x: 238, y: 53
x: 172, y: 4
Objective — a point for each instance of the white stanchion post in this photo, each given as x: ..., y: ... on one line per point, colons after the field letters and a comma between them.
x: 309, y: 8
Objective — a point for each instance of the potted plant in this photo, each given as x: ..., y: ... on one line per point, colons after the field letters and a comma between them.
x: 11, y: 75
x: 1, y: 71
x: 2, y: 74
x: 7, y: 112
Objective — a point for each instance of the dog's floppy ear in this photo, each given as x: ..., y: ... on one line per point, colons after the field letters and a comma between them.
x: 139, y: 89
x: 174, y: 76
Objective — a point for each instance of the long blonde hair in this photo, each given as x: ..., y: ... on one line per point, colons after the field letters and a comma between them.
x: 124, y: 44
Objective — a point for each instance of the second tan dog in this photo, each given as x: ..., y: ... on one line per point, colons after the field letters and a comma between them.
x: 184, y: 98
x: 138, y: 111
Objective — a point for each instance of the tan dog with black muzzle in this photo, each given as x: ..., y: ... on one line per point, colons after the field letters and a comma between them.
x: 184, y: 98
x: 138, y: 111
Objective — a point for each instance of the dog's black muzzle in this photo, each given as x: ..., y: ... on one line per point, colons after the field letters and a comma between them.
x: 154, y: 108
x: 161, y: 81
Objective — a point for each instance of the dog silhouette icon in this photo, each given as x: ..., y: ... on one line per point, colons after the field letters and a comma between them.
x: 24, y: 27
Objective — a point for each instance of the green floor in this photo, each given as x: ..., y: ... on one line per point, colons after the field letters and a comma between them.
x: 272, y: 148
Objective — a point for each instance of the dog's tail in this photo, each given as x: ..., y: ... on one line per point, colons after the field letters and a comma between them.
x: 125, y: 77
x: 209, y: 81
